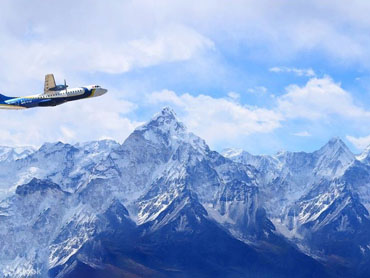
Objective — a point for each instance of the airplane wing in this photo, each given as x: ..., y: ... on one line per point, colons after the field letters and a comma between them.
x: 49, y: 83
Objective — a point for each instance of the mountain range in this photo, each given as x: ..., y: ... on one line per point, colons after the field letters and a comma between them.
x: 163, y: 204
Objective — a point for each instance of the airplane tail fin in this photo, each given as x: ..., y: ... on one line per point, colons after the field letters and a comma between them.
x: 49, y: 82
x: 4, y: 98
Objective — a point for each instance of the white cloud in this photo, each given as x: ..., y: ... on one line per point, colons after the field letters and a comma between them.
x: 300, y: 72
x: 218, y: 119
x: 173, y: 43
x: 302, y: 134
x: 233, y: 96
x: 320, y: 99
x: 359, y: 142
x: 121, y: 35
x: 257, y: 90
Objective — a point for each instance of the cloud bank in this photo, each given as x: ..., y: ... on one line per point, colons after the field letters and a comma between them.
x: 320, y: 101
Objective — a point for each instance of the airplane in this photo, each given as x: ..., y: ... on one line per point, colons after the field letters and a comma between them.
x: 53, y: 95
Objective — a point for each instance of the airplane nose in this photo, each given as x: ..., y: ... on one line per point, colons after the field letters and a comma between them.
x: 102, y: 91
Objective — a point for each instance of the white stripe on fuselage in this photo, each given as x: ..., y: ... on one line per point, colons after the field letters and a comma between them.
x: 58, y: 94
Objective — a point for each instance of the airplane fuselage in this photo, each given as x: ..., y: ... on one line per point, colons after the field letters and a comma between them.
x: 52, y: 98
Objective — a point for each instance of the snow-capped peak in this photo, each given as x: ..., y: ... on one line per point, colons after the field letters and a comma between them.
x: 166, y: 119
x: 335, y: 144
x: 13, y: 153
x: 336, y: 149
x: 365, y: 155
x: 167, y: 112
x: 55, y: 146
x: 232, y: 153
x: 165, y: 128
x: 333, y: 158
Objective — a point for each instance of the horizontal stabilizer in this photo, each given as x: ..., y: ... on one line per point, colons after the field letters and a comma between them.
x: 4, y: 98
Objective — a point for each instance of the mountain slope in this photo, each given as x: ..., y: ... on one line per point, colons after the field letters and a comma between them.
x: 184, y: 242
x: 285, y: 177
x: 323, y: 199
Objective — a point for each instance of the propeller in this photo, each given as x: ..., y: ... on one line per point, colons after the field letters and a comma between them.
x: 65, y: 84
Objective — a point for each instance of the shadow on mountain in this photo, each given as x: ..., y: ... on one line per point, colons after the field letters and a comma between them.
x: 183, y: 242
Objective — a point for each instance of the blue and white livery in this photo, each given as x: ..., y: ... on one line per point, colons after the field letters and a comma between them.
x: 53, y: 95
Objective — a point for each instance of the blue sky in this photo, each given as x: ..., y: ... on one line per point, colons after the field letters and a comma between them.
x: 258, y: 75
